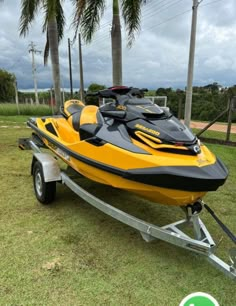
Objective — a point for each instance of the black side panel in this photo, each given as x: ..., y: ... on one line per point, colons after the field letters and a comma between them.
x: 51, y: 129
x: 117, y: 136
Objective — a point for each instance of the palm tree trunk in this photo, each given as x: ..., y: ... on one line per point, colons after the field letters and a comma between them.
x: 116, y: 45
x: 53, y: 43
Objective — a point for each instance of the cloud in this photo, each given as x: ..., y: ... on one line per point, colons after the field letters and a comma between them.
x: 159, y: 56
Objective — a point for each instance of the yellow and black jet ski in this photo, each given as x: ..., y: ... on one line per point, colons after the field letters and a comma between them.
x: 132, y: 144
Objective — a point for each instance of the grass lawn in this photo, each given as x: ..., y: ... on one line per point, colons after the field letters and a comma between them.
x: 69, y: 253
x: 6, y: 120
x: 214, y: 134
x: 10, y: 109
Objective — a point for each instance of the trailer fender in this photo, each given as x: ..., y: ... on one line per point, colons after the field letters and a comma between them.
x: 51, y: 170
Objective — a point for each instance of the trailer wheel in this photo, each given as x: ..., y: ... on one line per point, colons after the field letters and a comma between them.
x: 44, y: 191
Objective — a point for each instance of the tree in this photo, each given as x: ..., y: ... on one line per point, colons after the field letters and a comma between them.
x: 7, y: 89
x: 163, y: 91
x: 214, y: 87
x: 53, y: 26
x: 96, y: 87
x: 92, y: 88
x: 231, y: 91
x: 88, y: 14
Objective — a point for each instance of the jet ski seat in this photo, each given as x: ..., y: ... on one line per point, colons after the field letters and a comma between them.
x: 82, y: 117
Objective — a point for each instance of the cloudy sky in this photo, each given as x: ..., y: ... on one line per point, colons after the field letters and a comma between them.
x: 158, y: 58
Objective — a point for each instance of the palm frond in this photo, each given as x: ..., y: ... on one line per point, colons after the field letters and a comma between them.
x: 88, y: 17
x: 46, y: 50
x: 80, y: 6
x: 29, y: 9
x: 131, y: 11
x: 60, y: 17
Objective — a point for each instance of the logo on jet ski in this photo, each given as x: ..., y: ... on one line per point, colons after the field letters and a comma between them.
x: 59, y: 151
x: 63, y: 154
x: 122, y: 107
x: 144, y: 128
x: 51, y: 145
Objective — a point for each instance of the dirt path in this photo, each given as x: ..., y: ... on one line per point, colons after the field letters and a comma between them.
x: 222, y: 127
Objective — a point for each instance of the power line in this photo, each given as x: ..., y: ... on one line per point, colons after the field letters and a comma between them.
x: 160, y: 11
x: 149, y: 28
x: 161, y: 8
x: 100, y: 37
x: 149, y: 7
x: 104, y: 25
x: 209, y: 3
x: 99, y: 40
x: 169, y: 19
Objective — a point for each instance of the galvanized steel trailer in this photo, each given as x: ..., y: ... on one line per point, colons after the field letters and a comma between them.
x: 46, y: 172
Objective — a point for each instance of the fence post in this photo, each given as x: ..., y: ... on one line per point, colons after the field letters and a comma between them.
x: 232, y: 102
x: 229, y: 120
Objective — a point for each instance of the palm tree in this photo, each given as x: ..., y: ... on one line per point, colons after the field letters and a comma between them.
x: 88, y: 14
x: 53, y: 26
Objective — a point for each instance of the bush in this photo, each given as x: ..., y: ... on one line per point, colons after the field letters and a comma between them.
x: 7, y: 89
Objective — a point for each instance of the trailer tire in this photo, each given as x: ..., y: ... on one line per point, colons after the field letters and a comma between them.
x: 44, y: 191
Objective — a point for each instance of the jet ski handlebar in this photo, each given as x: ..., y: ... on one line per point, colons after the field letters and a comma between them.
x: 116, y: 92
x: 103, y: 94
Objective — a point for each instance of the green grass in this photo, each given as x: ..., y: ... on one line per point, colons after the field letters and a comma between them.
x: 8, y: 109
x: 13, y: 119
x: 215, y: 135
x: 71, y: 254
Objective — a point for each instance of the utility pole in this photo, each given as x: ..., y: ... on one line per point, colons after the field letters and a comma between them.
x: 70, y: 69
x: 81, y: 71
x: 34, y: 51
x: 188, y: 101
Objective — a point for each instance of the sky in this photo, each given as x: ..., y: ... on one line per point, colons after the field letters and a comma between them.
x: 158, y: 57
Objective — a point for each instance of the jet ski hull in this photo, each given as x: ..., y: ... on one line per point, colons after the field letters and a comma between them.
x: 163, y: 178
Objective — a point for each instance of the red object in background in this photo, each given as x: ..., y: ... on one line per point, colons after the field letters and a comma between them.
x: 52, y: 102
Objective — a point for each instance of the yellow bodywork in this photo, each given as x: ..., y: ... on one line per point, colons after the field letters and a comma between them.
x: 113, y: 156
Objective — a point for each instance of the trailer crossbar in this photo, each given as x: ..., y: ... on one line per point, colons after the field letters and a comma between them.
x: 203, y: 243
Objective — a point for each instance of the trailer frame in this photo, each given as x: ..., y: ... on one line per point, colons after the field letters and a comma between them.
x: 173, y: 233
